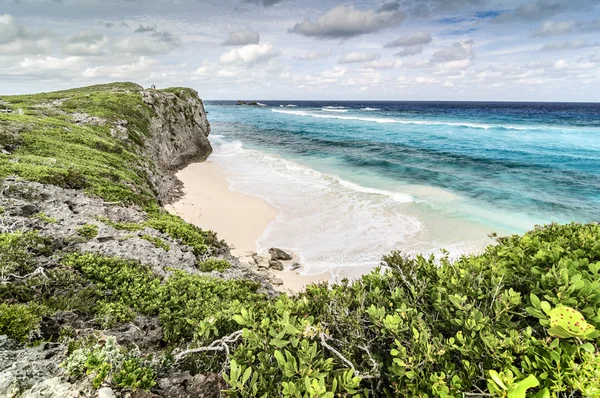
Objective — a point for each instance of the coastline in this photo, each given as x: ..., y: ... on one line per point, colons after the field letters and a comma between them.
x: 238, y: 218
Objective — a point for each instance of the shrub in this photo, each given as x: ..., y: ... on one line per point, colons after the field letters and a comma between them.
x: 202, y: 242
x: 88, y: 231
x: 18, y: 320
x: 110, y: 363
x: 157, y: 242
x: 214, y: 264
x: 420, y: 327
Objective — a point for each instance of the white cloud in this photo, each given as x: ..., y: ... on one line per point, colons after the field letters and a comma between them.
x: 569, y: 45
x: 409, y: 51
x: 47, y: 66
x: 242, y: 38
x: 343, y: 22
x: 143, y: 65
x: 550, y: 28
x: 354, y: 57
x: 414, y: 39
x: 336, y: 72
x: 381, y: 65
x: 456, y: 52
x: 250, y: 54
x: 315, y: 55
x: 152, y: 44
x: 15, y: 39
x: 87, y: 43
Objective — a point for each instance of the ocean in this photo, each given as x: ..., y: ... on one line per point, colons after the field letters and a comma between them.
x: 356, y: 180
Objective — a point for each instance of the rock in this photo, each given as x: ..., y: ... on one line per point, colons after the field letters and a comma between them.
x: 183, y: 385
x: 29, y: 210
x: 276, y: 265
x: 295, y: 266
x: 278, y: 254
x: 106, y: 392
x: 262, y: 262
x: 277, y: 281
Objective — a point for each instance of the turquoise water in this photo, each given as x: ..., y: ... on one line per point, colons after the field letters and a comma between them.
x: 364, y: 178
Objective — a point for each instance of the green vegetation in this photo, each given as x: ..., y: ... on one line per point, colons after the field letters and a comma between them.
x: 88, y: 231
x: 110, y: 362
x: 157, y: 242
x: 494, y: 322
x: 519, y: 320
x: 43, y: 217
x: 214, y: 264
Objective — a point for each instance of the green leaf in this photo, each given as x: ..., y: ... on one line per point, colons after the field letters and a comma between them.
x: 535, y: 301
x: 496, y: 377
x: 279, y: 343
x: 589, y: 347
x: 246, y: 375
x: 519, y: 390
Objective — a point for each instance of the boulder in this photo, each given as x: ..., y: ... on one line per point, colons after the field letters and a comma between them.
x: 106, y: 392
x: 278, y: 254
x: 276, y: 265
x: 295, y: 266
x: 277, y: 281
x: 262, y: 262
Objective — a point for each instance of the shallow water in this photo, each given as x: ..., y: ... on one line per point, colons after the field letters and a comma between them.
x: 356, y: 180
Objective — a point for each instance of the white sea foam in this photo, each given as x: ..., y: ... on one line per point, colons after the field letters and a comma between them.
x: 335, y: 107
x: 370, y: 109
x: 261, y: 104
x: 334, y: 110
x: 333, y: 224
x: 390, y: 120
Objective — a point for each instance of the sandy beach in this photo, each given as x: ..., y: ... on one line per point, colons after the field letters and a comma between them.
x: 239, y: 219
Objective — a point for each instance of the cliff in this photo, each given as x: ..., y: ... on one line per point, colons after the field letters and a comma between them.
x: 84, y: 173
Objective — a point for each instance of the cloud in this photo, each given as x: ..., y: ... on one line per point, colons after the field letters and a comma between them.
x: 265, y: 3
x: 135, y: 69
x: 354, y: 57
x: 145, y: 29
x: 338, y: 71
x: 409, y: 51
x: 344, y: 22
x: 110, y: 24
x: 250, y: 54
x: 47, y: 66
x: 414, y: 39
x: 550, y: 28
x: 569, y: 45
x: 242, y: 38
x: 456, y: 52
x: 16, y: 40
x: 87, y: 43
x: 595, y: 57
x: 154, y: 44
x: 381, y: 65
x: 539, y: 9
x: 315, y: 55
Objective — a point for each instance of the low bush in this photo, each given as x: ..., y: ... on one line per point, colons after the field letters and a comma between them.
x: 107, y: 362
x: 18, y: 320
x: 214, y: 264
x: 157, y: 242
x: 485, y: 324
x: 88, y: 231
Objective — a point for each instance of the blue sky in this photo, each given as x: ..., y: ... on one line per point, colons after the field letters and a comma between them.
x: 519, y: 50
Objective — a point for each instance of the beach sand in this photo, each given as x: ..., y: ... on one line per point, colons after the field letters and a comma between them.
x: 237, y: 218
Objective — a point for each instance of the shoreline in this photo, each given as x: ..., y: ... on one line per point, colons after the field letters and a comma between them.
x: 238, y: 218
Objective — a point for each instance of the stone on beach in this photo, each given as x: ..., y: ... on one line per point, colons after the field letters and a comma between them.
x: 276, y: 265
x: 262, y: 262
x: 278, y: 254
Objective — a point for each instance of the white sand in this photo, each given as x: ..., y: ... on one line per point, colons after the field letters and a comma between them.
x: 237, y: 218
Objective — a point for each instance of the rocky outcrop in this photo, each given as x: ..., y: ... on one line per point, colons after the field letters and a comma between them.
x: 178, y: 136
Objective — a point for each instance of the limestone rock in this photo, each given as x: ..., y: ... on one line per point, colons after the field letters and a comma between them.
x: 276, y: 265
x: 277, y: 281
x: 262, y: 262
x: 278, y: 254
x: 106, y: 392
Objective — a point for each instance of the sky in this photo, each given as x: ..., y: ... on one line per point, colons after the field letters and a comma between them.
x: 490, y: 50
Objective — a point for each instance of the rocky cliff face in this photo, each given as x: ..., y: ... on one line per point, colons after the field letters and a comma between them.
x: 178, y: 135
x: 83, y: 172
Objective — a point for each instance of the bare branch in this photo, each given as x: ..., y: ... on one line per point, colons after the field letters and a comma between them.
x: 218, y: 345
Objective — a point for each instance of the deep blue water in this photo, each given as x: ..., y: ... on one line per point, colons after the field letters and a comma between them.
x: 533, y: 162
